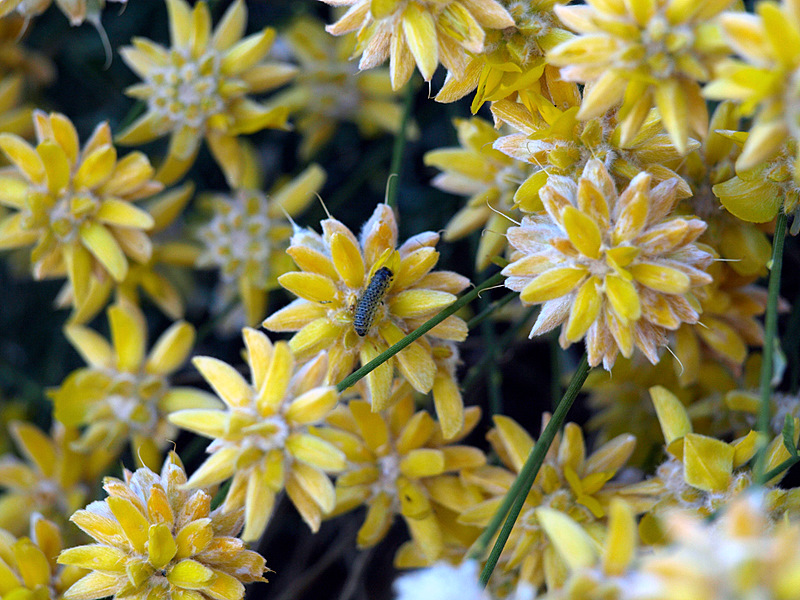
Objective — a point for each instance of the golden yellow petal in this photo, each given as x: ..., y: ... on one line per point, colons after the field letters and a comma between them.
x: 422, y: 462
x: 128, y: 335
x: 623, y: 297
x: 347, y: 260
x: 584, y: 310
x: 419, y: 29
x: 190, y: 574
x: 310, y: 286
x: 101, y: 243
x: 660, y: 278
x: 171, y: 349
x: 225, y: 380
x: 707, y: 462
x: 551, y: 284
x: 583, y: 232
x: 24, y: 157
x: 161, y: 547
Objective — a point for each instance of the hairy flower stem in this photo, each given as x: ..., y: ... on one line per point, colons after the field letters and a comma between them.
x: 515, y: 498
x: 399, y: 147
x: 770, y: 337
x: 418, y: 333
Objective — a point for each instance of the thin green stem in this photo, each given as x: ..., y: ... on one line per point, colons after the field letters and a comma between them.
x: 399, y: 147
x: 418, y: 333
x: 488, y: 310
x: 515, y: 498
x: 789, y: 462
x: 495, y: 380
x: 770, y: 337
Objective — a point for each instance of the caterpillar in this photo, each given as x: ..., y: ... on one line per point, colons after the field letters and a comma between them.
x: 373, y: 295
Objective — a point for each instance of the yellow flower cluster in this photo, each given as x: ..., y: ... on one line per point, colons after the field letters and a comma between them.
x: 154, y: 537
x: 337, y: 271
x: 612, y: 267
x: 635, y: 219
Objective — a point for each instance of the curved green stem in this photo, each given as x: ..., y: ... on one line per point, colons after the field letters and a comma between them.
x: 770, y: 337
x: 418, y: 333
x: 515, y: 498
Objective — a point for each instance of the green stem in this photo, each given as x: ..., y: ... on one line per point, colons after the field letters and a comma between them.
x: 418, y: 333
x: 515, y: 498
x: 770, y: 335
x: 399, y: 147
x: 495, y: 380
x: 481, y: 316
x: 789, y: 462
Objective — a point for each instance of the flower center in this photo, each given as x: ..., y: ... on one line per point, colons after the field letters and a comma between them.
x: 663, y: 43
x: 186, y: 92
x: 133, y: 400
x: 70, y: 212
x: 333, y: 89
x: 237, y: 239
x: 387, y: 480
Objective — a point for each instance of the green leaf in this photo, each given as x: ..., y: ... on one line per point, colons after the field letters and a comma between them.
x: 788, y: 435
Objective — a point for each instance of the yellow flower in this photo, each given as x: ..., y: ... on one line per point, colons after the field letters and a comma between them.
x: 155, y: 538
x: 613, y: 268
x: 641, y: 54
x: 329, y: 89
x: 746, y: 402
x: 421, y: 32
x: 569, y: 481
x: 767, y: 79
x: 555, y: 142
x: 247, y: 236
x: 123, y: 393
x: 620, y: 401
x: 28, y: 568
x: 75, y: 204
x: 153, y: 277
x: 262, y: 437
x: 77, y: 11
x: 757, y: 193
x: 16, y: 59
x: 54, y: 479
x: 512, y: 65
x: 487, y: 176
x: 15, y: 117
x: 743, y: 553
x: 745, y: 244
x: 337, y: 269
x: 400, y: 464
x: 731, y: 305
x: 596, y: 571
x: 703, y: 473
x: 198, y: 88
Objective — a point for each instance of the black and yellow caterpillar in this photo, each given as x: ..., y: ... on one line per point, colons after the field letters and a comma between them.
x: 370, y: 299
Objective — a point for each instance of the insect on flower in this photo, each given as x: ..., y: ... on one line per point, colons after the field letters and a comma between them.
x: 373, y: 295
